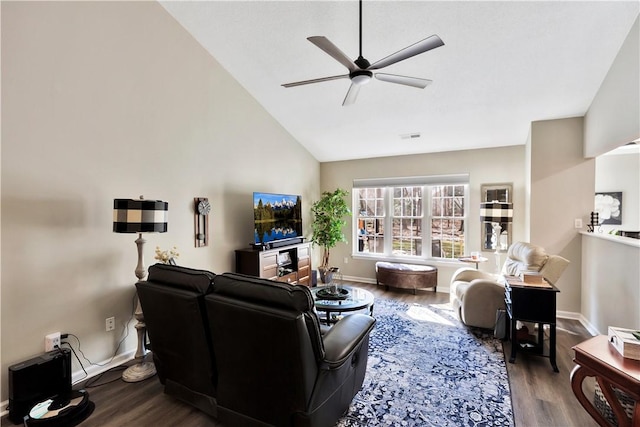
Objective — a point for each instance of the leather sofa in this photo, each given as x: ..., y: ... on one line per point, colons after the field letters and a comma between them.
x: 476, y: 295
x: 250, y: 351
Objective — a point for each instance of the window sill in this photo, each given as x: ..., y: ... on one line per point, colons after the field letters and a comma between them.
x: 444, y: 262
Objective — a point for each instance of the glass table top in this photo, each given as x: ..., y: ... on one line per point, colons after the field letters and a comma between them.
x: 355, y: 300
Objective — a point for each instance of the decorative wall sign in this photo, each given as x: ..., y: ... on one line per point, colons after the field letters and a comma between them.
x: 201, y: 210
x: 609, y: 207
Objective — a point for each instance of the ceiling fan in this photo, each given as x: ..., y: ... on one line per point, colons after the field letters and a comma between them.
x: 360, y: 70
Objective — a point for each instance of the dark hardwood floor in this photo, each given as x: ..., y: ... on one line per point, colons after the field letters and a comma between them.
x: 540, y: 397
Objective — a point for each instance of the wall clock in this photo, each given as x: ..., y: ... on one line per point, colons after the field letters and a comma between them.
x: 201, y: 211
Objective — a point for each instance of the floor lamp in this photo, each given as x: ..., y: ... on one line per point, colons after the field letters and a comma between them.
x: 140, y: 216
x: 496, y: 213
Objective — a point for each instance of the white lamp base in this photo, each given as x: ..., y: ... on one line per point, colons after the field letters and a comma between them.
x: 495, y: 242
x: 139, y: 372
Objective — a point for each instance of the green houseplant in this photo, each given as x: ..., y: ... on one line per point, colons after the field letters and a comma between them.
x: 327, y: 224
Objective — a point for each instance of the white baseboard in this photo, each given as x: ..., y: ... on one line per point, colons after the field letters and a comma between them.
x: 590, y: 327
x: 359, y: 279
x: 92, y: 371
x: 580, y: 318
x: 568, y: 315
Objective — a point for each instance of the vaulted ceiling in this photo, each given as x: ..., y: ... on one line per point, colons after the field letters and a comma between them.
x: 504, y: 64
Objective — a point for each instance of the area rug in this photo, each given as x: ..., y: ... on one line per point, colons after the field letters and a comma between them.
x: 426, y: 368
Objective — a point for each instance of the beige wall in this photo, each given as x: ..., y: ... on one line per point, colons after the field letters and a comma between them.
x: 613, y: 118
x: 104, y: 100
x: 562, y: 183
x: 497, y: 165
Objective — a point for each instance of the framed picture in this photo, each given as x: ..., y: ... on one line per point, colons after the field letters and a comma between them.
x: 609, y: 207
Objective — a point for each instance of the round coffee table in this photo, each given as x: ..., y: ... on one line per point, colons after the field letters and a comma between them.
x: 357, y: 299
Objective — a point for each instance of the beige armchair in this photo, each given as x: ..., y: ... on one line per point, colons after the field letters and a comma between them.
x: 476, y: 295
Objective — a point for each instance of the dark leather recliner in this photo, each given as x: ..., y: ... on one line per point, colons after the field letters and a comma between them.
x: 250, y: 351
x: 172, y: 301
x: 274, y: 365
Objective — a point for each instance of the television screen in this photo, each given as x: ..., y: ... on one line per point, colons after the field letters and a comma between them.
x: 276, y: 217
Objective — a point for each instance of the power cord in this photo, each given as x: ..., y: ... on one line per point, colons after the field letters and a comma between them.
x: 91, y: 382
x: 74, y: 353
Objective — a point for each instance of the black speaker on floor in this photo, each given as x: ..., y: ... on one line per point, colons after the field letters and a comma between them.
x: 37, y: 379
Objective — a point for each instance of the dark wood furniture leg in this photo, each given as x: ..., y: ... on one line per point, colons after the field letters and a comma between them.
x: 514, y: 340
x: 552, y: 346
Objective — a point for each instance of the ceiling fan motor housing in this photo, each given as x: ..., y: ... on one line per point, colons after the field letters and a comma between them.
x: 362, y: 63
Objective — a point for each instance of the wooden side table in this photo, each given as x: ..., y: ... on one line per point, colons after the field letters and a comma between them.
x: 597, y: 358
x: 475, y: 261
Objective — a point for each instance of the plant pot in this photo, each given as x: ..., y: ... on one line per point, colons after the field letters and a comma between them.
x: 326, y: 274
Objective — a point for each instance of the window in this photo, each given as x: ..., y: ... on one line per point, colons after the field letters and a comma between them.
x: 390, y: 218
x: 447, y: 221
x: 406, y: 229
x: 371, y: 216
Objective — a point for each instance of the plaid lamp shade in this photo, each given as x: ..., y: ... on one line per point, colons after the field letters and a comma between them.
x: 140, y: 216
x: 496, y: 212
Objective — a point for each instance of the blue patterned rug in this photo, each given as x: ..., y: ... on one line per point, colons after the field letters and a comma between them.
x: 427, y: 369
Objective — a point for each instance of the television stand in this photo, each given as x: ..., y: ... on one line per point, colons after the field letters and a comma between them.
x: 290, y: 263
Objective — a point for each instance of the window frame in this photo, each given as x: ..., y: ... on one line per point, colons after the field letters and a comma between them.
x: 387, y: 187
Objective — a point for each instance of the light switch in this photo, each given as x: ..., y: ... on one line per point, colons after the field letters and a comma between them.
x: 577, y: 223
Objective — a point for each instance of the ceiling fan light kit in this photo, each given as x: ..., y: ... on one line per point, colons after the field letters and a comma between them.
x: 360, y: 77
x: 360, y: 70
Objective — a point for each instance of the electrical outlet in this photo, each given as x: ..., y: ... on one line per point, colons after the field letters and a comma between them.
x: 51, y: 341
x: 346, y: 260
x: 110, y: 324
x: 577, y: 223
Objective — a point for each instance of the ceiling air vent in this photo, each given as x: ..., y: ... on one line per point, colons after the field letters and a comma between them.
x: 414, y: 135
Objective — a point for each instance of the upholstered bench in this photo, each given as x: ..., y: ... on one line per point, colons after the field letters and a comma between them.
x: 407, y: 276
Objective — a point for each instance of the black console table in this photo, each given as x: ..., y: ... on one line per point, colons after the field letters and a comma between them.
x: 534, y: 303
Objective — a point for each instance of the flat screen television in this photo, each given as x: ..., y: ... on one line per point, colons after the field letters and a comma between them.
x: 276, y: 217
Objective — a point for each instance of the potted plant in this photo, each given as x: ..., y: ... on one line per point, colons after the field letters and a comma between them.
x: 327, y: 225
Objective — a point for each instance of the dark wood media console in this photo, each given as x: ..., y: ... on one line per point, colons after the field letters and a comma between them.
x: 290, y: 264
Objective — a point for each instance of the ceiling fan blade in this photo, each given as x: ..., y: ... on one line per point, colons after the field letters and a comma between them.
x: 320, y: 80
x: 352, y: 94
x: 422, y: 46
x: 403, y: 80
x: 324, y: 44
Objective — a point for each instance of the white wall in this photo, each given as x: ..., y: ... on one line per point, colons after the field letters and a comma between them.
x: 610, y: 288
x: 621, y: 172
x: 613, y: 119
x: 486, y: 166
x: 104, y: 100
